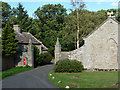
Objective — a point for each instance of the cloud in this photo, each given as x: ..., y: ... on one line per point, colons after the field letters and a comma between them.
x: 107, y: 0
x: 114, y: 4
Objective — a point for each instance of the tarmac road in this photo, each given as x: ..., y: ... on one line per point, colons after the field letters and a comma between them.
x: 36, y: 78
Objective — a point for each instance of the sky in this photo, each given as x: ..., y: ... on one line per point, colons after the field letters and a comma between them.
x: 92, y: 5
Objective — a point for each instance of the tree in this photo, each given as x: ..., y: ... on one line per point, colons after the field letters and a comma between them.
x: 20, y: 16
x: 68, y: 34
x: 49, y: 21
x: 9, y: 42
x: 90, y: 21
x: 79, y: 5
x: 6, y: 11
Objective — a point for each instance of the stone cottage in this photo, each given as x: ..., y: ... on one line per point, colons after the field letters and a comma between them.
x: 25, y: 53
x: 100, y: 48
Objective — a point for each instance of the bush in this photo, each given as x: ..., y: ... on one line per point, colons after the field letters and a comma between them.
x: 67, y: 65
x: 41, y: 59
x: 46, y: 58
x: 37, y: 60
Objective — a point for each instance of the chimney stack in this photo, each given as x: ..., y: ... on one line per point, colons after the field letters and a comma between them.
x: 1, y: 31
x: 16, y: 28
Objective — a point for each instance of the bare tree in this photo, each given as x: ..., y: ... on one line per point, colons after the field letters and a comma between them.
x: 79, y: 5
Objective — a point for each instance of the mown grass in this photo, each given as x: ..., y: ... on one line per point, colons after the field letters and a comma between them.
x: 85, y: 79
x: 14, y: 71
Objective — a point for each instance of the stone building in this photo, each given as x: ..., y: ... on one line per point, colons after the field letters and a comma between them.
x: 25, y: 53
x: 100, y: 48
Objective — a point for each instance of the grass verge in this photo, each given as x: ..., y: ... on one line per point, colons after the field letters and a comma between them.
x: 14, y: 70
x: 85, y: 79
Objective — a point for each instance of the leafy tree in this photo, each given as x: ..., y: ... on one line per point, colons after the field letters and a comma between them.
x: 20, y: 16
x: 68, y: 34
x: 90, y: 21
x: 9, y: 42
x: 52, y: 22
x: 6, y: 12
x: 49, y: 21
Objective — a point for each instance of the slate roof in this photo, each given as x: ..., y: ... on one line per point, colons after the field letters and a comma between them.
x: 23, y: 38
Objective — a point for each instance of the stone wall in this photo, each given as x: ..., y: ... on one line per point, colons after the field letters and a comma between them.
x: 101, y: 47
x: 99, y: 50
x: 64, y: 55
x: 76, y: 54
x: 21, y: 54
x: 118, y: 56
x: 26, y: 52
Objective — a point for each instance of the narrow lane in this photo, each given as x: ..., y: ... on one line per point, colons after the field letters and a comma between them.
x: 36, y: 78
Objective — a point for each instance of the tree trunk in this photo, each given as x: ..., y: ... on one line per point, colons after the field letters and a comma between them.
x: 77, y: 28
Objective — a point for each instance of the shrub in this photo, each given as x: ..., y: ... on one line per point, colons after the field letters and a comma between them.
x: 41, y: 59
x: 45, y: 58
x: 37, y: 60
x: 67, y: 65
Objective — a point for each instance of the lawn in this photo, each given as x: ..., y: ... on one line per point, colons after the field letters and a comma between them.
x: 85, y: 79
x: 14, y: 70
